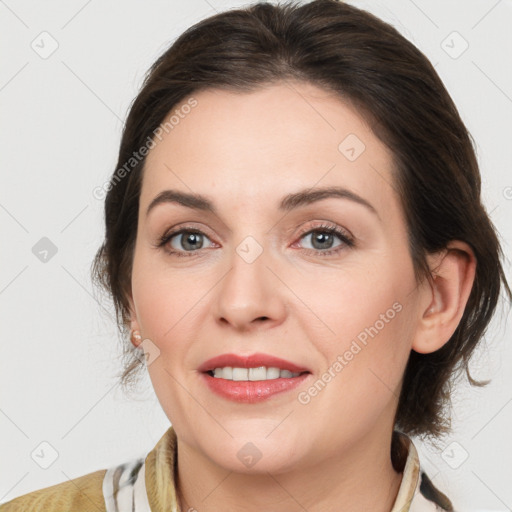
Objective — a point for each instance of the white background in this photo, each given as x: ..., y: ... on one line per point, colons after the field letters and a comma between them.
x: 61, y: 124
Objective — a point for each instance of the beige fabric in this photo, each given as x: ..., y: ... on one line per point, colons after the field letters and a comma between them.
x: 160, y: 467
x: 79, y: 494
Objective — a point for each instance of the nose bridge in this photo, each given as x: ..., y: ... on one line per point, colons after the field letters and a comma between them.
x: 249, y: 291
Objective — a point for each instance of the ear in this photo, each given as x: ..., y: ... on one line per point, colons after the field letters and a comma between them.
x: 446, y: 297
x: 136, y: 337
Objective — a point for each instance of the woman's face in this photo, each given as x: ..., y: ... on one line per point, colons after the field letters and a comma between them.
x: 261, y: 273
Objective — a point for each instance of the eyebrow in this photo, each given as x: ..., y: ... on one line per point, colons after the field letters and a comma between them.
x: 288, y: 203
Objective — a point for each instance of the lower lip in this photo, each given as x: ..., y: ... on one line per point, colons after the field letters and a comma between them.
x: 252, y: 391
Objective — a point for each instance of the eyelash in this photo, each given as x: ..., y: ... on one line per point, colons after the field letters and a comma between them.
x: 347, y: 240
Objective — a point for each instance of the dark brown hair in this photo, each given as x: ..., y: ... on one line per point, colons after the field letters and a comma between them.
x: 368, y: 64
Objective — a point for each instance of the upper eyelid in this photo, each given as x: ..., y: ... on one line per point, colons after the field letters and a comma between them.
x: 327, y: 225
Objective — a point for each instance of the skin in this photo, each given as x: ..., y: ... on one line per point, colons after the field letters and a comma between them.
x: 246, y: 151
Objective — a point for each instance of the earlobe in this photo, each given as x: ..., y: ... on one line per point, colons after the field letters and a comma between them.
x: 135, y: 335
x: 450, y: 287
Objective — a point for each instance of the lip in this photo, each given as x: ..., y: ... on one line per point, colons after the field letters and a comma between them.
x: 251, y: 361
x: 251, y: 391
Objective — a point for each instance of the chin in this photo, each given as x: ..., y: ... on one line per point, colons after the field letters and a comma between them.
x: 255, y: 454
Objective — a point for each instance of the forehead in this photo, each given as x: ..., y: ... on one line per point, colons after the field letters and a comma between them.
x: 259, y: 146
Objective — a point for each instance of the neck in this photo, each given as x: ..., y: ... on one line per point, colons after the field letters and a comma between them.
x: 361, y: 478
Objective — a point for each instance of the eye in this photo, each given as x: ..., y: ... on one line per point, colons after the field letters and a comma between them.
x: 186, y: 240
x: 323, y: 239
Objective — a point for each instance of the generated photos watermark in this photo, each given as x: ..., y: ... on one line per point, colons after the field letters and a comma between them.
x: 172, y: 121
x: 343, y: 360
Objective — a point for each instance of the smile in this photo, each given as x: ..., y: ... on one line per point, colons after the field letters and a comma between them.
x: 252, y: 374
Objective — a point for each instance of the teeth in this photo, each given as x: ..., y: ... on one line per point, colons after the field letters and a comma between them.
x: 240, y: 374
x: 273, y: 373
x: 259, y: 373
x: 246, y: 374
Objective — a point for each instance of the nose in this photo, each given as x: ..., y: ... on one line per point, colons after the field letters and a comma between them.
x: 250, y: 295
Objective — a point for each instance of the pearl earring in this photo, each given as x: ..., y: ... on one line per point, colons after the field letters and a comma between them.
x: 135, y: 335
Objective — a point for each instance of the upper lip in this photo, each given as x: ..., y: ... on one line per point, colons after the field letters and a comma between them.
x: 250, y: 361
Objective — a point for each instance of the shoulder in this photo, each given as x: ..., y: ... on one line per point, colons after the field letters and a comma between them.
x: 119, y: 488
x: 79, y: 494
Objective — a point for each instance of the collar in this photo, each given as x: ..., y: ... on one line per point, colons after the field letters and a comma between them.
x: 410, y: 474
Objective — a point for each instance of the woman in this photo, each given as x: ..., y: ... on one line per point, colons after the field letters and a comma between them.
x: 295, y: 241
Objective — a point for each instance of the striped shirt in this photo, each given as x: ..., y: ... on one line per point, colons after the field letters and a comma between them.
x: 147, y: 484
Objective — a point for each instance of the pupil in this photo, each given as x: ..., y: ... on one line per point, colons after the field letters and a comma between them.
x: 191, y: 240
x: 324, y: 239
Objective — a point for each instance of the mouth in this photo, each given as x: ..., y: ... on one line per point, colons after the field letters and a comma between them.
x: 252, y: 378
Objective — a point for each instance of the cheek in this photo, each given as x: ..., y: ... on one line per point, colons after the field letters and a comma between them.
x: 165, y: 299
x: 368, y: 333
x: 165, y: 310
x: 363, y: 364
